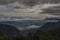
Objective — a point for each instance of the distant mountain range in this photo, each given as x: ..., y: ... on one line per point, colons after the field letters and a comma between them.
x: 27, y: 26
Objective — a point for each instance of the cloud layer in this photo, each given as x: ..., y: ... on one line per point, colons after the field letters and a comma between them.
x: 38, y: 11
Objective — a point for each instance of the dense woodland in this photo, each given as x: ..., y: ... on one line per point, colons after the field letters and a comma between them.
x: 39, y: 35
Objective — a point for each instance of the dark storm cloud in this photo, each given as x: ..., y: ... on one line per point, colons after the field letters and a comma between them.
x: 26, y: 2
x: 52, y: 10
x: 2, y: 2
x: 29, y: 2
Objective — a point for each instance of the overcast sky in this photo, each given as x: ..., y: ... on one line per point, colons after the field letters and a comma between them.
x: 31, y: 8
